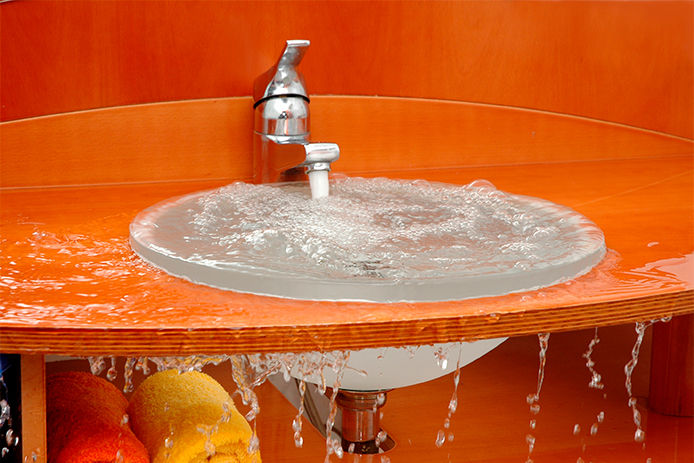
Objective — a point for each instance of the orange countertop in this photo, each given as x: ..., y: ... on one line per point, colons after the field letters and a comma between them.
x: 71, y: 285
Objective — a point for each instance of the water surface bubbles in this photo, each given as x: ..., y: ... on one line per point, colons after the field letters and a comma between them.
x: 368, y: 231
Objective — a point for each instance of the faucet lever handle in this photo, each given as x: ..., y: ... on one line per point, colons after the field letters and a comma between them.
x: 283, y: 79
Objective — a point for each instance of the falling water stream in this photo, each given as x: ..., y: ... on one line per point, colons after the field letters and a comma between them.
x: 534, y: 398
x: 250, y: 371
x: 441, y: 436
x: 639, y: 434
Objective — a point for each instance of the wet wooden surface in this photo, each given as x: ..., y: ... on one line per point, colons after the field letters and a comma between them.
x: 642, y: 206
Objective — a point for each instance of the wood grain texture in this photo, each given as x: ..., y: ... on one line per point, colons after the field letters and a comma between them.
x: 627, y: 62
x: 211, y: 139
x: 672, y: 367
x: 33, y: 370
x: 73, y: 286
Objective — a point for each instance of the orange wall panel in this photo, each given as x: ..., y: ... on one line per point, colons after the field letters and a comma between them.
x: 627, y: 62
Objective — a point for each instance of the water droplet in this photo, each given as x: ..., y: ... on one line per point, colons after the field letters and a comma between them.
x: 535, y: 409
x: 440, y: 438
x: 96, y: 365
x: 594, y: 429
x: 577, y: 429
x: 601, y: 417
x: 380, y: 438
x: 530, y: 440
x: 639, y: 435
x: 169, y: 442
x: 112, y: 372
x: 450, y: 437
x: 350, y: 449
x: 124, y: 420
x: 385, y: 459
x: 8, y: 436
x: 4, y: 452
x: 453, y: 404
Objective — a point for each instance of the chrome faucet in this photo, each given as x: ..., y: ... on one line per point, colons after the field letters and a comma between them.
x: 281, y: 143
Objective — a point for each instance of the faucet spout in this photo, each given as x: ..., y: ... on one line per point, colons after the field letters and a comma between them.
x: 277, y: 159
x: 281, y: 139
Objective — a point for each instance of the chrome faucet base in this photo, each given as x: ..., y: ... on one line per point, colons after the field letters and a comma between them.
x: 282, y: 122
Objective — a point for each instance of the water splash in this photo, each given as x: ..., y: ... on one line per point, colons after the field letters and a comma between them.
x: 333, y: 445
x: 368, y: 231
x: 595, y: 377
x: 112, y: 372
x: 128, y: 371
x: 96, y: 365
x: 452, y: 404
x: 248, y: 372
x: 297, y: 423
x: 534, y: 398
x: 380, y: 437
x: 142, y: 365
x: 639, y: 434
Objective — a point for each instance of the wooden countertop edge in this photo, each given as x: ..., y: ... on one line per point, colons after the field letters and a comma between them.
x: 184, y: 341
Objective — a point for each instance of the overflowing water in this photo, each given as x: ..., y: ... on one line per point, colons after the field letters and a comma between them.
x: 534, y: 398
x: 100, y: 282
x: 639, y: 434
x: 100, y: 267
x: 371, y: 237
x: 442, y: 435
x: 595, y: 377
x: 249, y: 371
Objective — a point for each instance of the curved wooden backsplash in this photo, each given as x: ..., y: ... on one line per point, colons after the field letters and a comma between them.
x: 211, y: 140
x: 627, y: 62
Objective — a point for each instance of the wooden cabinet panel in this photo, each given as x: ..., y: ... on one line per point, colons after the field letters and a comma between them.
x: 628, y: 62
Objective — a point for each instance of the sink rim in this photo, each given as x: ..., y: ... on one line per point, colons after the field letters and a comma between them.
x: 455, y: 286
